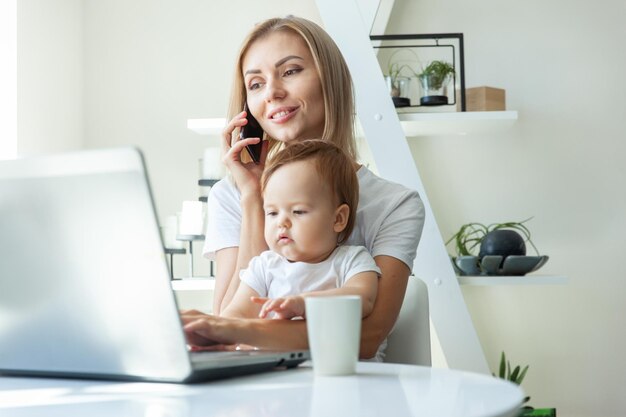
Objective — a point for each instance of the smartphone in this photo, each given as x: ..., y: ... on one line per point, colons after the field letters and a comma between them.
x: 252, y: 130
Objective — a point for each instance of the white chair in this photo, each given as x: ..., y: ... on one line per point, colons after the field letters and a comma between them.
x: 409, y: 340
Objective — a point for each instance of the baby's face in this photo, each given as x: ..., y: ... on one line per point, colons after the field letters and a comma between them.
x: 300, y: 214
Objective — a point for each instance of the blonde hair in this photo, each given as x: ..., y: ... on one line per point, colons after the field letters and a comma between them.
x: 334, y: 168
x: 331, y: 68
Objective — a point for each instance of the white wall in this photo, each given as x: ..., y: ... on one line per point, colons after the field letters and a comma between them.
x: 49, y: 76
x: 8, y: 79
x: 563, y: 162
x: 150, y: 66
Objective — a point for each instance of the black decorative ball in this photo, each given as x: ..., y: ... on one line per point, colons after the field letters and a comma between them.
x: 502, y: 242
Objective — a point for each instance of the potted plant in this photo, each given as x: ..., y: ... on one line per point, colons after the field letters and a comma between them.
x: 398, y: 77
x: 516, y: 376
x: 434, y: 80
x: 501, y: 249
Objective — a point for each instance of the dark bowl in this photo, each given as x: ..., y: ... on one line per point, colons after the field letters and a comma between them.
x: 494, y: 265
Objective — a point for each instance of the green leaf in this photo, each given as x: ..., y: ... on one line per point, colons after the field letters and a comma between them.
x: 521, y: 376
x: 514, y: 374
x: 502, y: 365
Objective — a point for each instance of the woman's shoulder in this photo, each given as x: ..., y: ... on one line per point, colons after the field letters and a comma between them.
x: 225, y: 186
x: 373, y: 187
x: 224, y: 193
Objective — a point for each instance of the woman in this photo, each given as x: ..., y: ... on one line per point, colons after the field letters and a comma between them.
x: 297, y: 85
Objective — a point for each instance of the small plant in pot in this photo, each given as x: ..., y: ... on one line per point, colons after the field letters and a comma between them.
x: 516, y: 375
x: 501, y: 249
x: 398, y: 85
x: 434, y: 80
x: 399, y: 74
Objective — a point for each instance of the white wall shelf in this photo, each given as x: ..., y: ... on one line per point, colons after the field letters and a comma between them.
x: 413, y: 124
x: 513, y: 280
x: 456, y: 123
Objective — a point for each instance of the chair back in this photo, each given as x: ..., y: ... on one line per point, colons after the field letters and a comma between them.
x: 409, y: 340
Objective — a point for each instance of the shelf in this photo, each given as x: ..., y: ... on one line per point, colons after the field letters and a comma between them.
x: 414, y: 124
x: 189, y: 238
x: 175, y: 251
x: 194, y: 284
x: 513, y: 280
x: 207, y: 182
x: 456, y: 123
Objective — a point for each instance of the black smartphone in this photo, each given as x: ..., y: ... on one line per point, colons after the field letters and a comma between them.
x: 252, y: 130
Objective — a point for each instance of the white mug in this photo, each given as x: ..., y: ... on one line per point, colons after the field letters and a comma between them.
x: 334, y: 330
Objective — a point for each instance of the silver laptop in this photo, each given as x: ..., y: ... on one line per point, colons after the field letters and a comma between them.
x: 84, y: 285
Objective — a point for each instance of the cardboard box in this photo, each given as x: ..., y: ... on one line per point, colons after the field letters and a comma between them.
x: 485, y: 99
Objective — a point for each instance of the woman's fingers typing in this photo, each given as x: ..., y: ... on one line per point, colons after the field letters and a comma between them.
x: 204, y: 329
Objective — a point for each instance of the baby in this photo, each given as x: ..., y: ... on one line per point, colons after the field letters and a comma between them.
x: 310, y: 193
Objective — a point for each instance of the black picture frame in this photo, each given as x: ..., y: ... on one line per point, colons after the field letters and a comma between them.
x: 451, y: 43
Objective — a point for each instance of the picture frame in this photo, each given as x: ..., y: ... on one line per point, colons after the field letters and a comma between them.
x: 408, y: 63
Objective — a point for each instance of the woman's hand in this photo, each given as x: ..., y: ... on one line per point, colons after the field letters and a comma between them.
x: 247, y: 176
x: 252, y: 241
x: 204, y: 330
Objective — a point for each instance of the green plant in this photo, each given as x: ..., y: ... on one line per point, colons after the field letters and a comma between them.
x: 437, y: 73
x: 516, y: 376
x: 397, y: 67
x: 468, y: 238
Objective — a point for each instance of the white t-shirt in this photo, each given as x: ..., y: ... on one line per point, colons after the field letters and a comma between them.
x: 272, y: 275
x: 389, y: 218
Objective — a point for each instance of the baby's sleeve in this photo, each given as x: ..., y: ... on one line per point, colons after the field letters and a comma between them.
x: 254, y: 276
x: 358, y: 260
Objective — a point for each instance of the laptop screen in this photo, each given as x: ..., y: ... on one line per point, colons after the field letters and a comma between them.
x: 85, y: 286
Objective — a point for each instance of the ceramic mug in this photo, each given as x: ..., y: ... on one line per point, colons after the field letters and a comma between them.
x: 334, y: 332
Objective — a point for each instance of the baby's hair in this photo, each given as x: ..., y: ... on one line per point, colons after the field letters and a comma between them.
x: 334, y: 168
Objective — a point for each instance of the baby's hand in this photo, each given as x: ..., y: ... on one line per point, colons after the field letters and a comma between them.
x: 283, y: 307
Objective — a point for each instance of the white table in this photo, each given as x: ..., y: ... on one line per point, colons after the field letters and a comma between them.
x: 377, y: 390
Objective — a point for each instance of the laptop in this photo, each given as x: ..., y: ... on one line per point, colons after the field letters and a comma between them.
x: 85, y: 289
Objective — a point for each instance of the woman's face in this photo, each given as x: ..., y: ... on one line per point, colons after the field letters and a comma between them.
x: 284, y: 92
